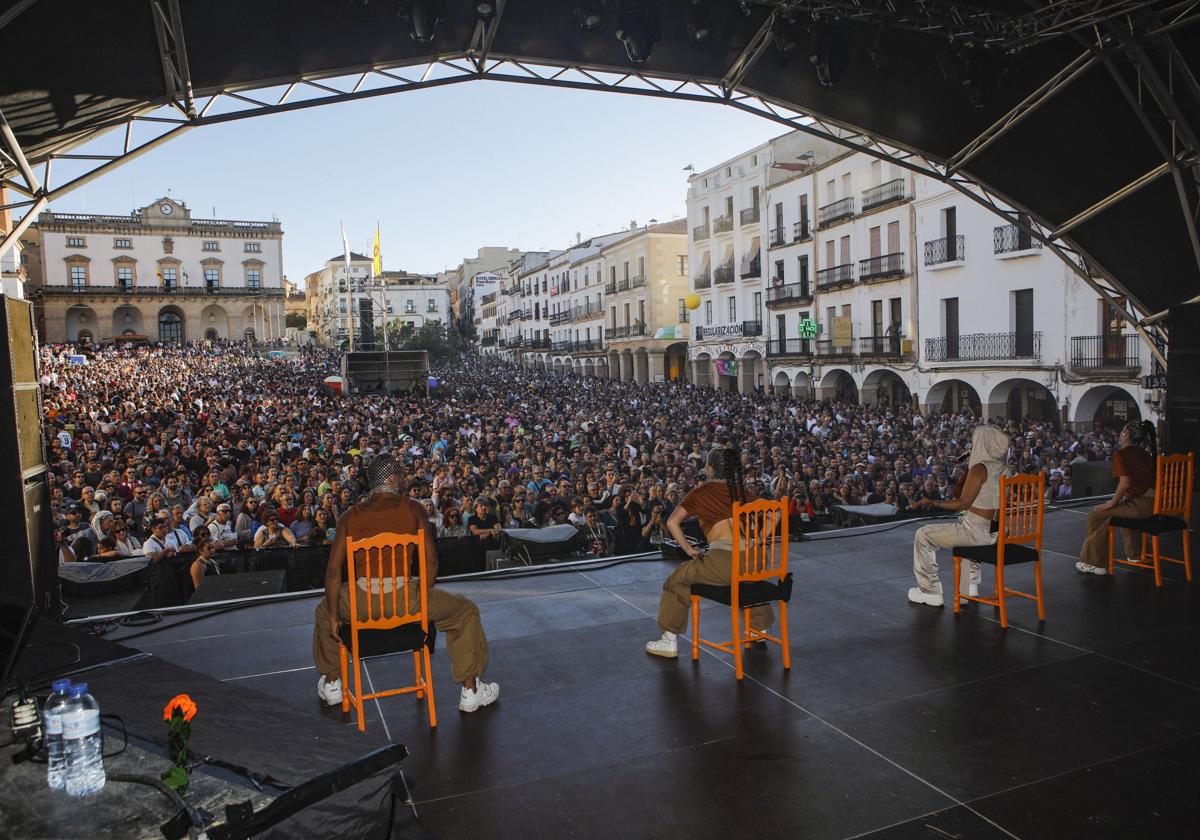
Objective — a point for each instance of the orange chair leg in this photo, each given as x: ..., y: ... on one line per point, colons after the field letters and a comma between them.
x: 417, y: 674
x: 1037, y: 580
x: 957, y: 571
x: 1000, y: 594
x: 737, y: 644
x: 1187, y: 556
x: 1144, y: 551
x: 345, y: 680
x: 358, y: 701
x: 1112, y: 565
x: 1157, y: 565
x: 746, y: 623
x: 429, y: 688
x: 695, y: 627
x: 783, y: 636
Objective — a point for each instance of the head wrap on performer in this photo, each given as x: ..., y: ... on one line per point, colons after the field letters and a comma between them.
x: 385, y: 474
x: 726, y: 464
x: 989, y: 445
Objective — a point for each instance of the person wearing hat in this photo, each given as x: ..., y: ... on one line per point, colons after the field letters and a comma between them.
x: 221, y: 528
x: 386, y: 509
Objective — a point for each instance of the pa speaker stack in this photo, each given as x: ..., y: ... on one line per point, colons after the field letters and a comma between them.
x: 387, y: 372
x: 1183, y: 380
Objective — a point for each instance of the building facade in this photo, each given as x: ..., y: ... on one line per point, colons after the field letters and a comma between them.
x: 160, y: 275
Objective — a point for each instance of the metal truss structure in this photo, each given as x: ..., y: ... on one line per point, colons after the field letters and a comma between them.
x: 1103, y: 30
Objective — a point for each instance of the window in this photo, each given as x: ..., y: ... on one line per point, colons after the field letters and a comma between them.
x: 125, y: 277
x: 804, y: 275
x: 342, y: 306
x: 641, y: 266
x: 642, y: 312
x: 845, y: 250
x: 253, y: 279
x: 778, y: 271
x: 893, y: 237
x: 683, y: 311
x: 170, y: 327
x: 431, y: 305
x: 627, y: 314
x: 875, y: 240
x: 612, y: 273
x: 389, y: 307
x: 78, y: 277
x: 732, y: 308
x: 211, y: 246
x: 754, y: 160
x: 708, y: 312
x: 252, y: 247
x: 212, y: 279
x: 169, y: 279
x: 123, y: 243
x: 76, y: 242
x: 625, y: 270
x: 410, y: 306
x: 757, y: 306
x: 683, y: 265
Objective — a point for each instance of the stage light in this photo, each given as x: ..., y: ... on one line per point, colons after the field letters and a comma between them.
x: 699, y: 22
x: 828, y: 51
x: 785, y: 34
x: 877, y: 54
x: 423, y: 16
x: 590, y: 14
x: 485, y: 10
x: 638, y: 28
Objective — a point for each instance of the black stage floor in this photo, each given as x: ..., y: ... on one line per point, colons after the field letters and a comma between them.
x: 895, y: 720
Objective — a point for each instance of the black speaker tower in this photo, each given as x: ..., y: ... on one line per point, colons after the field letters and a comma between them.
x: 1183, y: 380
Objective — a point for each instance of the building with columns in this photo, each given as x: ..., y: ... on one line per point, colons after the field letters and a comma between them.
x: 159, y: 274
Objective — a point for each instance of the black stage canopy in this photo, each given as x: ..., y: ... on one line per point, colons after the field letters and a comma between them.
x: 1082, y: 113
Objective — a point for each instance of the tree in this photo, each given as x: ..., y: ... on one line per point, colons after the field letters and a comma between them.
x: 430, y: 336
x: 295, y: 319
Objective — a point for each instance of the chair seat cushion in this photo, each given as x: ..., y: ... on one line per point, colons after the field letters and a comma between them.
x: 406, y: 637
x: 1158, y: 524
x: 749, y: 593
x: 1013, y: 553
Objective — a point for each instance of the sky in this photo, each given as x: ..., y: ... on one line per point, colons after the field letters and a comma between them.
x: 443, y: 171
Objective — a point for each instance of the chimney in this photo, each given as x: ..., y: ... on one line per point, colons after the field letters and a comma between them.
x: 578, y: 237
x: 633, y: 224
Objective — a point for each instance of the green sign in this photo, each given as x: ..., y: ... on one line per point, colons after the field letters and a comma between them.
x: 808, y: 328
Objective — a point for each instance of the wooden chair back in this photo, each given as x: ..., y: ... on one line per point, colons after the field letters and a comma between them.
x: 389, y: 567
x: 1174, y: 475
x: 760, y: 540
x: 1022, y: 511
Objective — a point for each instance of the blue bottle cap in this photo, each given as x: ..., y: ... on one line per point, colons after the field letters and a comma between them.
x: 79, y: 689
x: 60, y: 686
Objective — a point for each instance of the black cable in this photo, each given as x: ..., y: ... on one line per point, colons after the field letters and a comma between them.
x: 157, y: 784
x: 124, y: 733
x: 140, y: 619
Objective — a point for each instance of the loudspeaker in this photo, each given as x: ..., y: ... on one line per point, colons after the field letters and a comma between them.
x: 1093, y: 478
x: 240, y: 585
x: 27, y: 566
x: 1183, y: 426
x: 392, y: 371
x: 366, y: 323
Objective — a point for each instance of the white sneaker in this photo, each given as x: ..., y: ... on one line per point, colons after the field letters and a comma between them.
x: 664, y: 646
x: 933, y: 599
x: 330, y: 691
x: 484, y: 695
x: 973, y: 590
x: 1089, y: 569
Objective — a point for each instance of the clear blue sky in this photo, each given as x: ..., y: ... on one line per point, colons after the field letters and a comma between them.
x: 443, y: 171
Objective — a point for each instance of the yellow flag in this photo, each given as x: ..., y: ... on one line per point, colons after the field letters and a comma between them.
x: 377, y: 258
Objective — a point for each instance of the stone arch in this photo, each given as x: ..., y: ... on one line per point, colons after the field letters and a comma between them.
x: 838, y: 384
x: 1105, y: 406
x: 702, y: 372
x: 214, y: 319
x: 802, y: 386
x: 885, y: 387
x: 81, y: 319
x: 952, y: 395
x: 1018, y: 398
x: 626, y: 357
x: 171, y: 326
x: 725, y: 381
x: 127, y: 320
x: 675, y: 363
x: 781, y: 385
x: 753, y: 371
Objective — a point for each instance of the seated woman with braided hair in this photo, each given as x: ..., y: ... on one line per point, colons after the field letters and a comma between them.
x: 712, y: 501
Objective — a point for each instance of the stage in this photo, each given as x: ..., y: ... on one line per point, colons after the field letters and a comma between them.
x: 895, y: 720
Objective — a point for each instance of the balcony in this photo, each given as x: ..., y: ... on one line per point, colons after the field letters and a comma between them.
x: 948, y: 249
x: 752, y: 268
x: 699, y: 233
x: 835, y: 212
x: 610, y: 288
x: 1010, y: 239
x: 722, y: 224
x: 984, y: 347
x: 777, y: 237
x: 801, y: 231
x: 789, y: 347
x: 890, y: 192
x: 835, y: 277
x: 158, y: 291
x: 487, y: 341
x: 888, y: 346
x: 749, y: 216
x: 637, y: 282
x: 881, y: 268
x: 1115, y: 355
x: 789, y: 294
x: 751, y: 328
x: 738, y: 329
x: 538, y: 344
x: 829, y: 348
x: 723, y: 274
x: 703, y: 280
x: 560, y: 318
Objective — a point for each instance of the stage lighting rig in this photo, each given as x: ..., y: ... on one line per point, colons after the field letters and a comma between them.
x: 828, y: 51
x: 423, y: 17
x: 638, y: 28
x: 485, y: 10
x: 699, y: 22
x: 590, y: 14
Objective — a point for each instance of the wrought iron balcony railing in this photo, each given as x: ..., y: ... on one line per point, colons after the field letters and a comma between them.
x: 749, y: 216
x: 789, y: 347
x: 610, y: 288
x: 722, y: 224
x: 984, y: 347
x: 777, y: 237
x: 723, y: 273
x: 835, y: 211
x: 703, y: 280
x: 947, y: 249
x: 752, y: 328
x: 878, y: 268
x: 699, y: 233
x: 1105, y: 352
x: 881, y: 345
x: 637, y: 282
x: 1007, y: 239
x: 752, y: 267
x: 623, y: 284
x: 801, y: 231
x: 789, y: 294
x: 886, y: 193
x: 836, y: 276
x: 828, y: 347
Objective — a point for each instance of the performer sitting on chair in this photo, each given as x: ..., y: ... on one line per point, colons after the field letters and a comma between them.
x: 387, y: 510
x: 976, y: 505
x: 711, y: 501
x: 1133, y: 467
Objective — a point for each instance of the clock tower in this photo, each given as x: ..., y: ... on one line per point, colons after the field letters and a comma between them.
x: 166, y: 212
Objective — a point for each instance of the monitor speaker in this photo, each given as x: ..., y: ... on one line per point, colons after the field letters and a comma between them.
x: 1183, y: 427
x: 27, y: 566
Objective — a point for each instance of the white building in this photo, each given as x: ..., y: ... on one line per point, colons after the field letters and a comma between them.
x: 159, y: 274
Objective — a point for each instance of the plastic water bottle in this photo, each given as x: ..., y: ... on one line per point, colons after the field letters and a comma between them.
x: 84, y: 748
x: 56, y: 760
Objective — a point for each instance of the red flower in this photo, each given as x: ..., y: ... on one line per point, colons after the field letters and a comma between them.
x: 187, y: 707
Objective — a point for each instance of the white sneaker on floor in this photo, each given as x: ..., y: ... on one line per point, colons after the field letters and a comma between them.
x: 484, y: 695
x: 330, y: 691
x: 1089, y: 569
x: 973, y: 590
x: 665, y: 645
x: 933, y: 599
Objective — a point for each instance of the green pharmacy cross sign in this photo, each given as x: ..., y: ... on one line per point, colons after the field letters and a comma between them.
x: 808, y: 328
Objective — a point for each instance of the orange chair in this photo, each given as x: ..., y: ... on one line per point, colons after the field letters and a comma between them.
x: 1172, y: 512
x: 759, y: 575
x: 1022, y: 509
x: 390, y: 627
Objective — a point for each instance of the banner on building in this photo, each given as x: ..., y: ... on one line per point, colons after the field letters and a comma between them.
x: 843, y: 331
x: 726, y: 367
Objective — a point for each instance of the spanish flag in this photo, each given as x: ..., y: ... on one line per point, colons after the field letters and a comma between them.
x: 376, y: 257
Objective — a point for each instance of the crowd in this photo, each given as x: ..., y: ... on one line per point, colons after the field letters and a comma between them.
x: 186, y: 450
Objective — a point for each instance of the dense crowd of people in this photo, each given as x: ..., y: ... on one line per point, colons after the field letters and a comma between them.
x: 190, y: 449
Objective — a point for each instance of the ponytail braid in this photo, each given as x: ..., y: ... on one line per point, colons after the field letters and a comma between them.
x: 1151, y: 436
x: 726, y: 462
